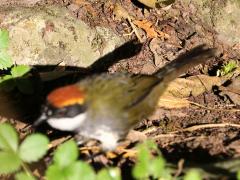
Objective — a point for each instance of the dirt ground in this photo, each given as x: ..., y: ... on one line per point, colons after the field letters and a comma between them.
x: 204, y: 133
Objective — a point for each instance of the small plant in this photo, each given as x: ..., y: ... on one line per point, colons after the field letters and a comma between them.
x: 17, y: 80
x: 12, y: 80
x: 227, y: 68
x: 13, y: 156
x: 66, y: 166
x: 149, y: 166
x: 193, y: 174
x: 5, y: 59
x: 238, y: 175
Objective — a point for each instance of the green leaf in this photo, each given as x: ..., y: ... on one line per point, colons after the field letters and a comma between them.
x: 20, y: 70
x: 103, y: 175
x: 109, y: 174
x: 8, y: 137
x: 54, y: 172
x: 4, y: 38
x: 193, y: 174
x: 144, y: 154
x: 66, y: 154
x: 150, y: 144
x: 157, y: 167
x: 10, y: 162
x: 86, y: 171
x: 79, y: 170
x: 238, y: 175
x: 7, y: 83
x: 227, y: 68
x: 33, y: 148
x: 24, y: 176
x: 5, y: 60
x: 141, y: 169
x: 115, y: 173
x: 6, y: 78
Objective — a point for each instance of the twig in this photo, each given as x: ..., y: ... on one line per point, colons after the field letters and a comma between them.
x: 201, y: 126
x: 134, y: 29
x: 179, y: 168
x: 196, y: 127
x: 214, y: 109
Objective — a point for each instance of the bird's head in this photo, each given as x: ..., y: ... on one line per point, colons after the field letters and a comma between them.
x: 65, y: 108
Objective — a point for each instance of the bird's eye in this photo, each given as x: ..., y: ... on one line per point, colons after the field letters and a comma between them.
x: 49, y: 112
x: 61, y: 112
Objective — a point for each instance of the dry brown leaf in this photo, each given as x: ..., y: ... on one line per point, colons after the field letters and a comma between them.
x: 171, y: 102
x: 120, y: 12
x: 194, y: 85
x: 87, y: 6
x: 149, y: 3
x: 136, y: 136
x: 179, y: 89
x: 232, y: 90
x: 156, y: 3
x: 81, y: 2
x: 57, y: 142
x: 148, y: 27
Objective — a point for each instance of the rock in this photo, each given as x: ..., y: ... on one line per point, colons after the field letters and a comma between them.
x: 223, y: 16
x: 49, y: 35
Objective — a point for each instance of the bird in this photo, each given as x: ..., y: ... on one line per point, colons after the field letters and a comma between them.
x: 105, y: 106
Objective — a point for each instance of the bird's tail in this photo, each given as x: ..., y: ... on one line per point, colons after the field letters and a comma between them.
x: 184, y: 62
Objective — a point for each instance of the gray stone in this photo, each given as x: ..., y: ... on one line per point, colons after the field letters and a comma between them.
x: 223, y: 16
x: 49, y: 35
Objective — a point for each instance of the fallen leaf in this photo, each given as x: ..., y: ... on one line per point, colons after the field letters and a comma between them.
x: 181, y: 88
x: 149, y: 3
x: 120, y: 12
x: 134, y: 136
x: 171, y: 102
x: 232, y: 90
x: 87, y: 6
x: 149, y: 28
x: 193, y: 85
x: 81, y: 2
x: 156, y: 3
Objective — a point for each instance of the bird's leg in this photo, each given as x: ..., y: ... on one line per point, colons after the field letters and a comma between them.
x: 86, y: 144
x: 80, y: 139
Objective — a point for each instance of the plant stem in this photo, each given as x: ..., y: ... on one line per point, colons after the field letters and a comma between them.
x: 27, y: 169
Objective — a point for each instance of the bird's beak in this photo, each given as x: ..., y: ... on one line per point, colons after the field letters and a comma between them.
x: 40, y: 120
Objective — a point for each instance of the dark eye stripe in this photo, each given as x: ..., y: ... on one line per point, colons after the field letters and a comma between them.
x: 75, y: 110
x: 68, y: 111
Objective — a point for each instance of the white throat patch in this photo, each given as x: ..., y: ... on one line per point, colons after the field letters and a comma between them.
x: 67, y: 124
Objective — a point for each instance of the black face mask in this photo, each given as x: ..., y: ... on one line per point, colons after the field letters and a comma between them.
x: 68, y: 111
